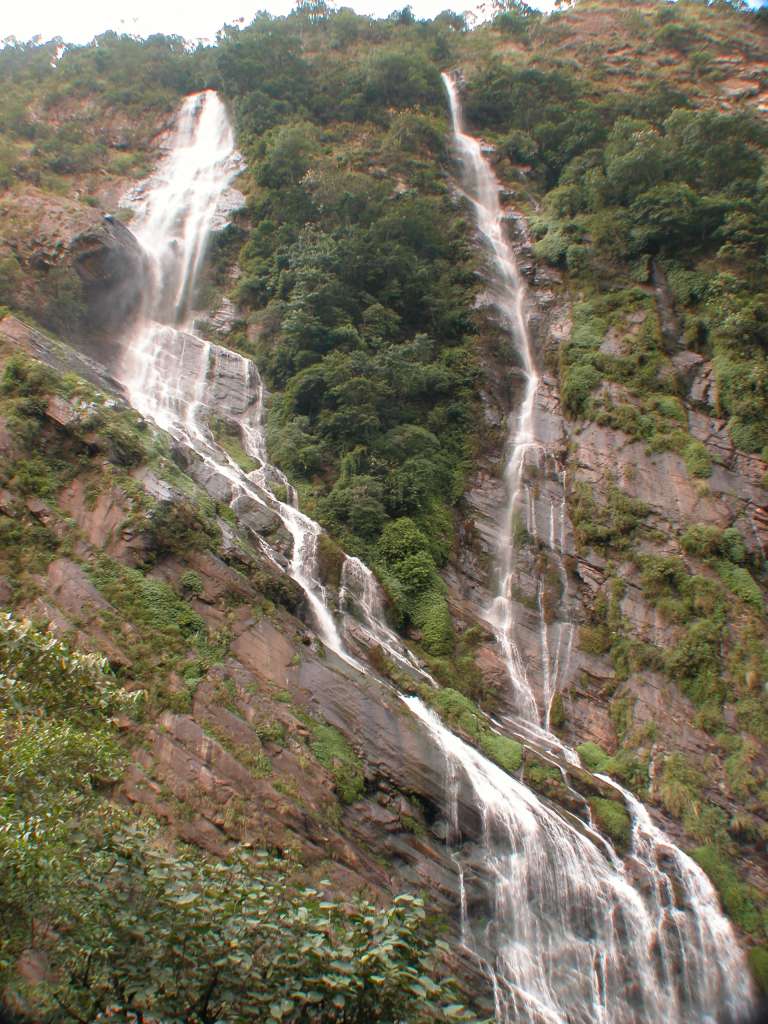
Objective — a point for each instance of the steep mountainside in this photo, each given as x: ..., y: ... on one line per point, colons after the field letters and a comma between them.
x: 625, y: 547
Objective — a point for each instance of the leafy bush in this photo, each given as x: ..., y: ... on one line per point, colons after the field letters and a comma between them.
x: 737, y: 897
x: 680, y: 785
x: 137, y: 927
x: 457, y: 711
x: 593, y: 756
x: 758, y: 962
x: 191, y: 583
x: 614, y: 524
x: 740, y: 582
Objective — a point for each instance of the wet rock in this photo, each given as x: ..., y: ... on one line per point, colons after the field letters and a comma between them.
x: 255, y: 517
x: 215, y: 483
x: 58, y: 356
x: 115, y: 274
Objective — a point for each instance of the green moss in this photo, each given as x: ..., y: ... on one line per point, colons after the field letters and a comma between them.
x: 191, y: 583
x: 541, y: 776
x: 505, y: 752
x: 229, y: 437
x: 593, y: 756
x: 621, y: 712
x: 738, y: 898
x: 147, y: 602
x: 457, y: 711
x: 613, y: 819
x: 330, y: 560
x: 702, y: 540
x: 611, y: 525
x: 557, y: 716
x: 680, y: 785
x: 334, y: 753
x: 758, y: 964
x: 40, y: 477
x: 594, y: 638
x: 740, y: 582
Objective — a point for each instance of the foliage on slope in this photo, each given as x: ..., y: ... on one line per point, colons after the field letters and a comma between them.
x: 359, y: 273
x: 649, y: 166
x: 132, y: 926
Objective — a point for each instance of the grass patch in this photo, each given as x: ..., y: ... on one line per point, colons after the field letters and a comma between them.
x: 334, y: 753
x: 613, y: 819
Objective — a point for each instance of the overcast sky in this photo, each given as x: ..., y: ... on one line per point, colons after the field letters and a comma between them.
x: 77, y: 21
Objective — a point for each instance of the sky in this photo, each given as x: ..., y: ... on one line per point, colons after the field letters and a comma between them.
x: 78, y: 21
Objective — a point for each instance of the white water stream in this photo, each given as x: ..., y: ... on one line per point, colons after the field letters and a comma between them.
x: 572, y: 936
x: 525, y: 450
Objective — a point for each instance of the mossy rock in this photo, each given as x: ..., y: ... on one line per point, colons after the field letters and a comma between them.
x: 613, y: 819
x: 758, y: 963
x: 505, y: 752
x: 330, y: 560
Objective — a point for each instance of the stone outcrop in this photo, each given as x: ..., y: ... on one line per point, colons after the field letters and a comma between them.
x: 598, y: 457
x: 115, y: 274
x: 63, y: 358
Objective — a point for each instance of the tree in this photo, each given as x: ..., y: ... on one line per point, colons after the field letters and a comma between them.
x: 167, y: 935
x: 136, y: 928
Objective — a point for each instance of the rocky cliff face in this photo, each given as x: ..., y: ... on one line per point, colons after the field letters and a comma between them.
x: 115, y: 276
x: 230, y: 753
x: 230, y: 749
x: 562, y: 578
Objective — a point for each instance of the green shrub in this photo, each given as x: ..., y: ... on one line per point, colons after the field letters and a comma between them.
x: 505, y: 752
x: 680, y: 785
x: 330, y: 560
x: 457, y: 711
x: 433, y: 618
x: 758, y: 963
x: 38, y: 476
x: 740, y: 582
x: 334, y: 753
x: 178, y: 526
x: 593, y: 756
x: 613, y: 524
x: 557, y: 716
x: 613, y: 819
x: 695, y: 663
x: 166, y: 625
x: 577, y: 384
x: 702, y: 540
x: 191, y: 583
x: 697, y: 460
x: 737, y: 898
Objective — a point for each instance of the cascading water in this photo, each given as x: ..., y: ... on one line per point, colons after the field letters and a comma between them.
x: 570, y: 936
x: 179, y: 380
x: 524, y: 448
x: 573, y: 937
x: 182, y: 382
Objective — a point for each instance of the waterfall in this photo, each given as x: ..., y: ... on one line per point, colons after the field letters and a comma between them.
x: 571, y: 935
x: 524, y: 449
x: 574, y: 936
x: 181, y: 381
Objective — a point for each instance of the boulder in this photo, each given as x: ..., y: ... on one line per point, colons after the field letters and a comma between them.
x: 115, y: 275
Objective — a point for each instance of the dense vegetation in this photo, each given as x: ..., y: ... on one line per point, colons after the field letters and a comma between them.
x: 133, y: 927
x: 357, y: 285
x: 360, y: 270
